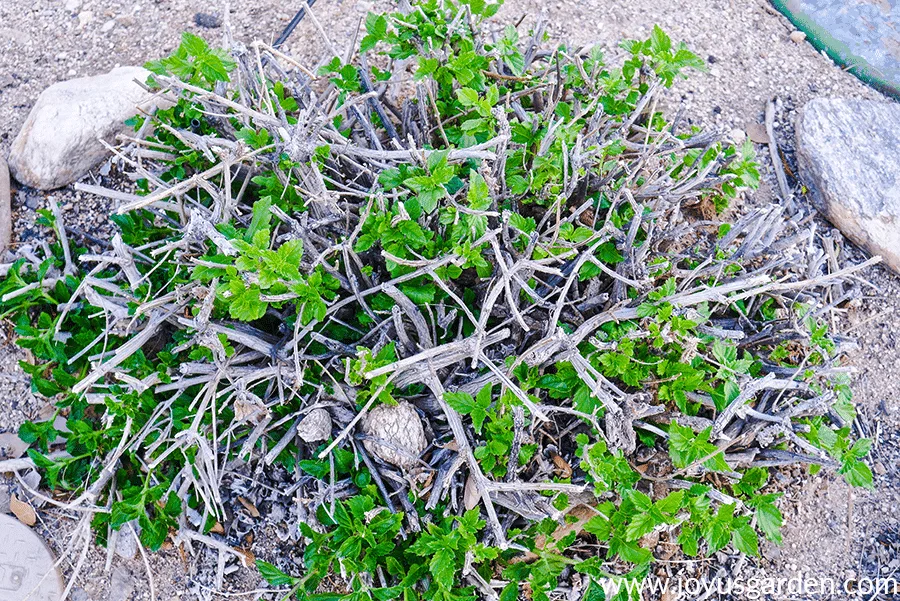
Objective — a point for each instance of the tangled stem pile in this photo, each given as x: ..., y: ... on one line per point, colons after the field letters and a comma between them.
x: 468, y: 289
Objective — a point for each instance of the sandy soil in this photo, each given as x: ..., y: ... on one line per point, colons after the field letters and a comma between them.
x: 830, y: 531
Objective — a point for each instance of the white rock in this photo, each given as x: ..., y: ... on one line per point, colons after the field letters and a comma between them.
x: 108, y: 26
x: 401, y: 428
x: 126, y: 544
x: 60, y: 141
x: 737, y: 136
x: 848, y: 151
x: 73, y: 5
x: 316, y: 426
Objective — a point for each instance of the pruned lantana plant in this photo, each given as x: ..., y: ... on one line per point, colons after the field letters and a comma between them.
x: 473, y: 293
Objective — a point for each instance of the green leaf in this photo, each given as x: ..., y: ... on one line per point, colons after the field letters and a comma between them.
x: 630, y: 551
x: 689, y: 539
x: 827, y: 437
x: 376, y: 25
x: 671, y: 503
x: 861, y: 447
x: 510, y: 592
x: 193, y: 44
x: 724, y: 352
x: 659, y: 41
x: 745, y: 540
x: 769, y: 520
x: 421, y: 294
x: 857, y: 473
x: 262, y: 217
x: 467, y: 96
x: 273, y: 575
x: 478, y: 195
x: 717, y: 531
x: 413, y: 233
x: 443, y: 567
x: 526, y: 225
x: 461, y: 402
x: 599, y: 526
x: 245, y: 303
x: 641, y: 524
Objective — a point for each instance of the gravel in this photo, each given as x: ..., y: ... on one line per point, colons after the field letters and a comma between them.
x: 830, y: 530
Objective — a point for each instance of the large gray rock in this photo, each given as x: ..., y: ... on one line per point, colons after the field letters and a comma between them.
x: 60, y: 141
x: 849, y: 155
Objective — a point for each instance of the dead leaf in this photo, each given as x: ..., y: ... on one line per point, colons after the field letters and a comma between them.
x: 249, y: 409
x: 587, y: 218
x: 471, y: 496
x: 218, y: 528
x: 250, y: 507
x: 247, y: 556
x: 581, y: 514
x: 757, y: 133
x: 562, y: 466
x: 22, y: 510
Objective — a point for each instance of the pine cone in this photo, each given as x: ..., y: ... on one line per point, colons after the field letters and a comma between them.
x: 315, y: 426
x: 401, y: 427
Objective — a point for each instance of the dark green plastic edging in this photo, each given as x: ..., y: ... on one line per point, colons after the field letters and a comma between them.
x: 836, y: 50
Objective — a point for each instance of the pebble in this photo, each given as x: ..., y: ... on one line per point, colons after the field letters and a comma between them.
x: 108, y: 26
x: 73, y: 5
x: 797, y: 36
x: 879, y: 468
x: 4, y: 499
x: 85, y: 17
x: 121, y: 584
x: 126, y: 544
x: 79, y: 594
x: 207, y: 20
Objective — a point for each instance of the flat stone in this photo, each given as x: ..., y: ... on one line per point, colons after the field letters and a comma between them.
x: 849, y: 156
x: 126, y: 543
x: 60, y: 141
x: 207, y: 20
x: 27, y: 565
x: 121, y: 584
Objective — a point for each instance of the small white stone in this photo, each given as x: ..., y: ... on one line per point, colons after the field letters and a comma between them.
x: 108, y: 26
x: 737, y: 135
x: 60, y: 140
x: 126, y: 544
x: 401, y: 427
x: 85, y: 17
x: 73, y: 5
x: 797, y: 36
x: 316, y: 426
